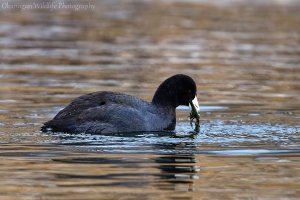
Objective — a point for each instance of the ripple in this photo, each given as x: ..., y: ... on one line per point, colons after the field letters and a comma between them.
x: 220, y: 134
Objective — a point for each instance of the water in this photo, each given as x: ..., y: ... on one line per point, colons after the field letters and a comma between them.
x: 244, y: 57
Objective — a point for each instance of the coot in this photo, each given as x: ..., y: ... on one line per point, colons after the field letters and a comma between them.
x: 109, y: 112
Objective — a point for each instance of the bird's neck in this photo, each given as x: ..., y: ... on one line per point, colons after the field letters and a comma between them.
x: 162, y: 98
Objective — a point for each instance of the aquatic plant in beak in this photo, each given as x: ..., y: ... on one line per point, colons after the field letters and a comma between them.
x: 195, y: 114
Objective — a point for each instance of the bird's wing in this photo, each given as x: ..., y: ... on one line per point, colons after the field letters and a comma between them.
x: 106, y: 107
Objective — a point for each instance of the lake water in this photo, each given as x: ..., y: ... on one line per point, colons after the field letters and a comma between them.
x: 245, y: 58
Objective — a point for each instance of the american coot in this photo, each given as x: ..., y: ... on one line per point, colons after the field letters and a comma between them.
x: 108, y: 112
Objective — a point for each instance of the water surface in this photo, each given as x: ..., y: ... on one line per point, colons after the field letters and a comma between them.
x: 244, y: 57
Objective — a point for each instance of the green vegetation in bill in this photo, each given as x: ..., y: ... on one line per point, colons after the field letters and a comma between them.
x: 194, y: 115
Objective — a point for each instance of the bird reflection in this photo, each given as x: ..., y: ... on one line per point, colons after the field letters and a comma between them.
x: 171, y: 165
x: 178, y: 171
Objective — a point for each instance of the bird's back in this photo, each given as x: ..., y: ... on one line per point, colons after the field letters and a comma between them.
x: 105, y: 112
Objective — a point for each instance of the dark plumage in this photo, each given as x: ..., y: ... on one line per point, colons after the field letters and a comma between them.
x: 107, y: 112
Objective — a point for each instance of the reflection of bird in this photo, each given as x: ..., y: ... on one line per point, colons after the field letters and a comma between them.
x: 107, y: 112
x: 178, y: 170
